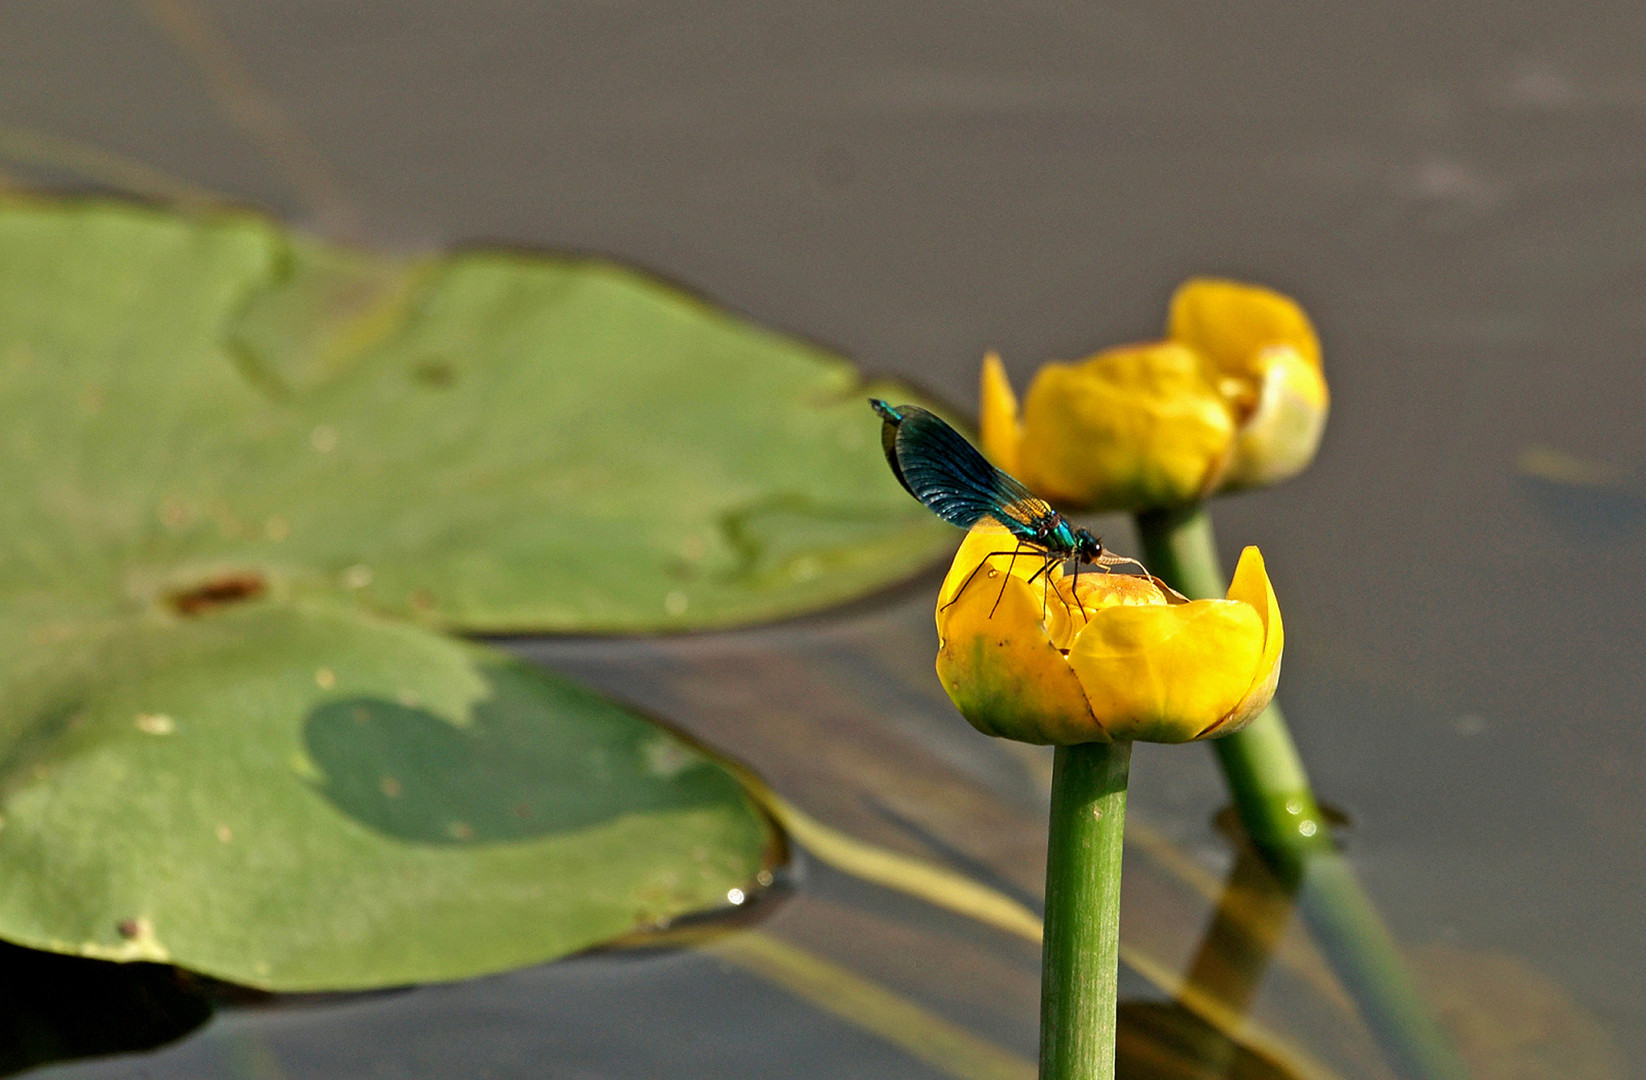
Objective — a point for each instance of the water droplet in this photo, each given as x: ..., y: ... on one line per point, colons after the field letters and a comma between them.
x: 735, y: 896
x: 1308, y: 828
x: 325, y: 678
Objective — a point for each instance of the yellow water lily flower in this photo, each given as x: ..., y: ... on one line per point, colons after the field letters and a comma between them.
x: 1041, y: 657
x: 1234, y: 397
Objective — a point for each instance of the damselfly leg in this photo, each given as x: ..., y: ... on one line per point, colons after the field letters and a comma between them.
x: 981, y: 564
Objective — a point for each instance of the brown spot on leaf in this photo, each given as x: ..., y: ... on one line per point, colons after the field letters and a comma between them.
x: 175, y: 513
x: 434, y: 373
x: 230, y: 588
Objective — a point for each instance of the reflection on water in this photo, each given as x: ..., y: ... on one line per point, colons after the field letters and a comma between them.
x: 1164, y: 1041
x: 56, y: 1008
x: 1228, y: 967
x: 1589, y: 500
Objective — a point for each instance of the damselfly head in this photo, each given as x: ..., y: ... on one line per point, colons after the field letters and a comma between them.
x: 1088, y: 548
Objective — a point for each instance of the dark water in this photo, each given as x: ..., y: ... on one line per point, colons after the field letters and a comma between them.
x: 1457, y: 194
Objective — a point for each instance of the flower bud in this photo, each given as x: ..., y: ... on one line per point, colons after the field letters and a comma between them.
x: 1037, y: 655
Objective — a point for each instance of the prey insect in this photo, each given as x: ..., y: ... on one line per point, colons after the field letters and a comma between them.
x: 936, y: 465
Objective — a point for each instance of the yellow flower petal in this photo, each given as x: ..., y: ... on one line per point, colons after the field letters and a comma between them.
x: 1251, y: 586
x: 1002, y: 434
x: 1231, y: 322
x: 1167, y: 673
x: 994, y: 658
x: 987, y: 541
x: 1282, y: 432
x: 1076, y: 597
x: 1136, y: 426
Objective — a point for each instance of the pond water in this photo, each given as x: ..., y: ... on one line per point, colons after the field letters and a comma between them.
x: 1457, y: 195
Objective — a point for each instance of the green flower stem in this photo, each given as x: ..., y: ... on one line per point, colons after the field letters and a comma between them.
x: 1081, y: 956
x: 1277, y: 807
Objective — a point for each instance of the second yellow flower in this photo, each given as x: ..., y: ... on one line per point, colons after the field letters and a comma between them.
x: 1233, y: 398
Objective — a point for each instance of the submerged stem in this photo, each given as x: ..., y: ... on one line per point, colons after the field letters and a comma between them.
x: 1277, y: 806
x: 1080, y: 958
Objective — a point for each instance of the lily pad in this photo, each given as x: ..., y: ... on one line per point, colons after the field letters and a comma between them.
x: 487, y: 441
x: 231, y: 454
x: 304, y: 798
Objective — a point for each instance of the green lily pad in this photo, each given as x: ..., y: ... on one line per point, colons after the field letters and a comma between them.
x: 230, y: 454
x: 488, y: 441
x: 302, y: 798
